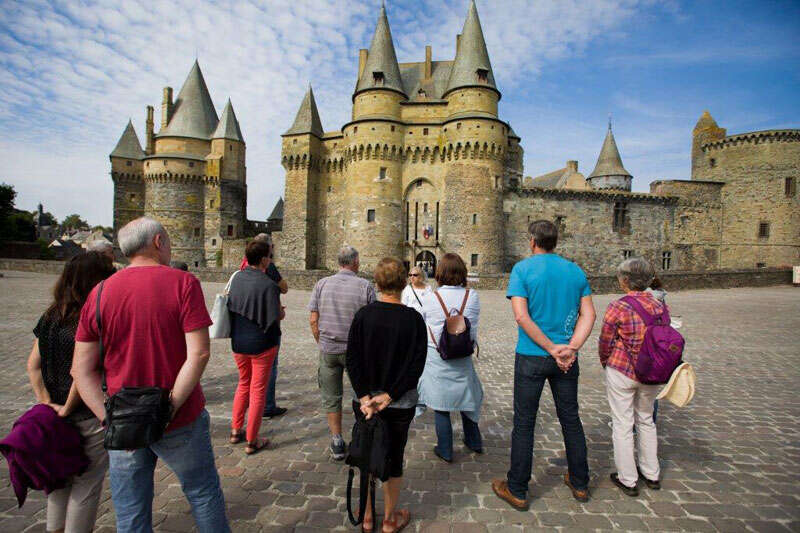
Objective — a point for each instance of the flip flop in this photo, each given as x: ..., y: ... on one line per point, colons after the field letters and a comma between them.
x: 405, y: 518
x: 257, y: 446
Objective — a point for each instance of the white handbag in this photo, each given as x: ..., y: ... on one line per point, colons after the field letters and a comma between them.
x: 220, y: 316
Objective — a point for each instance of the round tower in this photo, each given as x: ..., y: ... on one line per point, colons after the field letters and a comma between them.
x: 476, y: 141
x: 705, y: 131
x: 373, y: 213
x: 126, y: 172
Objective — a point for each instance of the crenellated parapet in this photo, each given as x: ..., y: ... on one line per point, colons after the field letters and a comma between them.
x: 755, y: 137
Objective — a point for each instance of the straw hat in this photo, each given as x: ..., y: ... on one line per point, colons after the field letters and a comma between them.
x: 680, y: 387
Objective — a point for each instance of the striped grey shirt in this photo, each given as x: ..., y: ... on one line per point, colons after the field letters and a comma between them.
x: 336, y: 299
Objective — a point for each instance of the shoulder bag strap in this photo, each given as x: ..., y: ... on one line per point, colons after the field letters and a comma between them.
x: 646, y: 317
x: 415, y: 296
x: 100, y: 338
x: 464, y: 303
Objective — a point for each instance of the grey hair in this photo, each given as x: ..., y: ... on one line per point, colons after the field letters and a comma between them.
x: 347, y: 256
x: 637, y: 272
x: 138, y: 234
x: 266, y: 238
x: 99, y: 246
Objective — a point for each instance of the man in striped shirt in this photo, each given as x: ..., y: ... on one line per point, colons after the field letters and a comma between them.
x: 333, y: 305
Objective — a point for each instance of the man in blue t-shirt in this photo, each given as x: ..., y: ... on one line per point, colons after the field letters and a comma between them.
x: 552, y: 304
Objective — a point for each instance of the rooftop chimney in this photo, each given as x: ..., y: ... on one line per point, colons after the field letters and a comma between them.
x: 428, y: 63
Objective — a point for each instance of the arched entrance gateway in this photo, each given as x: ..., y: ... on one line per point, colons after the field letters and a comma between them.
x: 427, y: 261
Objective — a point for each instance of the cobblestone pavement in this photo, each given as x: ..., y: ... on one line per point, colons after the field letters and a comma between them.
x: 730, y: 461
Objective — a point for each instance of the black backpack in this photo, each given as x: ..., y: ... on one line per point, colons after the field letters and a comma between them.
x: 455, y: 341
x: 369, y: 452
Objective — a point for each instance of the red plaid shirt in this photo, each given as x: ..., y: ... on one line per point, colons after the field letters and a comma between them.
x: 623, y: 332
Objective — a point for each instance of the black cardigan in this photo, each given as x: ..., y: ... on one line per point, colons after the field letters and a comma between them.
x: 386, y: 349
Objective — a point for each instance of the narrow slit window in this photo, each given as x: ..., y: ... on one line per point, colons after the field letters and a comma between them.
x: 474, y: 219
x: 790, y: 187
x: 474, y: 260
x: 213, y: 242
x: 382, y: 174
x: 424, y: 131
x: 620, y: 216
x: 230, y: 230
x: 666, y: 260
x: 763, y: 230
x: 425, y: 207
x: 196, y: 232
x: 370, y: 215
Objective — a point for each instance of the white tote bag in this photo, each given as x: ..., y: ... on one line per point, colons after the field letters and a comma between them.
x: 221, y: 328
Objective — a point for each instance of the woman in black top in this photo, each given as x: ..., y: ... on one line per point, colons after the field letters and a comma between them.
x: 256, y: 312
x: 73, y: 508
x: 386, y: 350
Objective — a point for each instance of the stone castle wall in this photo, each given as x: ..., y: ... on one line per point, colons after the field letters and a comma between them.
x: 754, y: 168
x: 178, y: 205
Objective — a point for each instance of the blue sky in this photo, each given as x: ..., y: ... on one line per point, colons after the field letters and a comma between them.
x: 72, y: 73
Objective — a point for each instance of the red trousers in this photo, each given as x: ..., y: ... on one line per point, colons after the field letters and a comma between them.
x: 254, y: 371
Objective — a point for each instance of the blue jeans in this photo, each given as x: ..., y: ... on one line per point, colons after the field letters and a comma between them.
x: 187, y: 452
x: 530, y: 373
x: 444, y: 434
x: 270, y: 405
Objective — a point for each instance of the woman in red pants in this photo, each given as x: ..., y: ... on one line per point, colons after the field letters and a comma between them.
x: 256, y: 312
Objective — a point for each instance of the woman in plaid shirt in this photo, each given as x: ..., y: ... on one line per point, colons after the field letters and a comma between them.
x: 631, y: 402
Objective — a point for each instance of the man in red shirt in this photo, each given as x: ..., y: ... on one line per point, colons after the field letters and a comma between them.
x: 155, y: 333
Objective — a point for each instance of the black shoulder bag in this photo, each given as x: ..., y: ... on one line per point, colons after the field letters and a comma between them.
x: 369, y: 452
x: 136, y: 417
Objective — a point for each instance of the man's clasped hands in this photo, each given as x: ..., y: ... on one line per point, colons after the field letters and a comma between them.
x: 370, y: 405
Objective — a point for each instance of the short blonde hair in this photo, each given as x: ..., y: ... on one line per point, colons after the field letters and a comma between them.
x: 422, y: 273
x: 390, y: 276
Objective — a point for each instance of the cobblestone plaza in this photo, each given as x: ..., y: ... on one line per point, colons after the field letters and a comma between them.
x: 730, y: 460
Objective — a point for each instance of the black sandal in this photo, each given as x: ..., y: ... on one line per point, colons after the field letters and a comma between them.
x: 257, y: 446
x: 237, y: 436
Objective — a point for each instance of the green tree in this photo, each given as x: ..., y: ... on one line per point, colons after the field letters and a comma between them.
x: 104, y: 229
x: 15, y: 225
x: 74, y: 221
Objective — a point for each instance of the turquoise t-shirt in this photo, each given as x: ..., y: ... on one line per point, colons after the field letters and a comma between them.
x: 554, y: 287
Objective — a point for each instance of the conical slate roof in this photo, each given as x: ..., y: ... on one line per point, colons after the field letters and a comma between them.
x: 609, y: 163
x: 705, y: 121
x: 277, y: 212
x: 228, y: 127
x: 307, y: 118
x: 471, y: 56
x: 193, y: 114
x: 381, y: 58
x: 128, y: 145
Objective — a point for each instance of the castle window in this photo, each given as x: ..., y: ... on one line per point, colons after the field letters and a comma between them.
x: 196, y: 264
x: 627, y: 254
x: 294, y: 141
x: 425, y: 207
x: 133, y: 197
x: 458, y: 125
x: 165, y: 162
x: 191, y: 163
x: 355, y: 129
x: 761, y: 265
x: 370, y: 215
x: 128, y: 163
x: 424, y: 131
x: 196, y: 232
x: 230, y: 230
x: 474, y: 219
x: 230, y: 148
x: 377, y: 78
x: 418, y: 184
x: 382, y: 174
x: 790, y: 187
x: 213, y: 242
x: 392, y: 127
x: 763, y: 230
x: 712, y: 162
x: 497, y: 182
x: 666, y: 260
x: 561, y: 223
x: 421, y: 93
x: 330, y: 189
x: 473, y: 260
x: 211, y: 203
x: 147, y: 164
x: 620, y: 216
x: 507, y: 216
x: 483, y: 75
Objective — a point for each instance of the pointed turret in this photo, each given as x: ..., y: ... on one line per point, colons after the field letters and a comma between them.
x: 193, y: 114
x: 307, y: 118
x: 609, y: 173
x: 381, y: 70
x: 705, y: 122
x: 128, y: 146
x: 471, y: 67
x: 228, y: 127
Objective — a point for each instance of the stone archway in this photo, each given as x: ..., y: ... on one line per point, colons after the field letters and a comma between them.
x: 427, y: 261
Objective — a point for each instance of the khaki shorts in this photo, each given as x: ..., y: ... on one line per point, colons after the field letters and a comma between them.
x: 329, y: 377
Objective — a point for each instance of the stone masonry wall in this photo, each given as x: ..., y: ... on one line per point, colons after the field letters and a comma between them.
x: 178, y: 205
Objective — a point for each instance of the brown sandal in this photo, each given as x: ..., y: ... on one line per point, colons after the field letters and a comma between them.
x: 237, y: 436
x: 370, y: 529
x: 397, y: 525
x: 257, y: 446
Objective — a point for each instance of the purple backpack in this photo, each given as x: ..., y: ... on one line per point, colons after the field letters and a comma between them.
x: 662, y: 348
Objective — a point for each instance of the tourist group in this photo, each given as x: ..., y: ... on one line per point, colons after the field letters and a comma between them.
x: 118, y: 358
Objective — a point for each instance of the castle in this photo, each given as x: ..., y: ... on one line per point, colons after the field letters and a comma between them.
x: 191, y: 176
x: 426, y: 166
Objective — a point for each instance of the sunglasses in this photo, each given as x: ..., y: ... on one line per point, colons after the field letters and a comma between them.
x: 413, y: 275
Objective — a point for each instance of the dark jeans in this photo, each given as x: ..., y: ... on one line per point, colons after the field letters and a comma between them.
x: 270, y: 405
x: 530, y: 373
x: 444, y: 434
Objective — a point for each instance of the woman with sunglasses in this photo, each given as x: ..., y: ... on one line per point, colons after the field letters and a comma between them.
x: 417, y: 289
